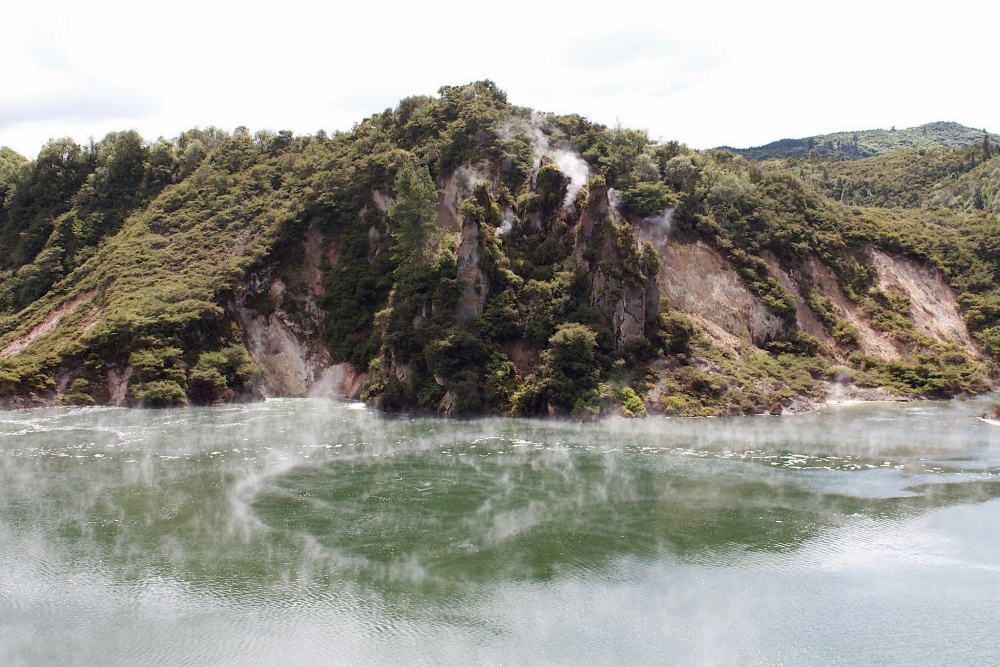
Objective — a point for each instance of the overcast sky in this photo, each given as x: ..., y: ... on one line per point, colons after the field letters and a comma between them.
x: 707, y: 73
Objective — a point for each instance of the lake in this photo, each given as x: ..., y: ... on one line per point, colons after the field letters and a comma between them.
x: 313, y: 532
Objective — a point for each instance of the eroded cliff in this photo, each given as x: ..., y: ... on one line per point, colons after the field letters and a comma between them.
x: 463, y: 255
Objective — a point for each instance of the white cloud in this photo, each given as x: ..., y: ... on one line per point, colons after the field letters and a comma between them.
x: 709, y: 73
x: 95, y: 102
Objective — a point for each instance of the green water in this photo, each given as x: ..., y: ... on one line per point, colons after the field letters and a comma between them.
x: 308, y: 532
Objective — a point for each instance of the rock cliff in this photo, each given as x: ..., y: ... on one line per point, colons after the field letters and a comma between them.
x: 464, y: 255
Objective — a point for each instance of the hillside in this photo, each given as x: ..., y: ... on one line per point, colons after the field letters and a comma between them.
x: 866, y: 143
x: 961, y: 179
x: 463, y: 255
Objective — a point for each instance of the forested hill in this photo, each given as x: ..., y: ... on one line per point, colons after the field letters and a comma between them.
x: 867, y: 143
x: 463, y: 255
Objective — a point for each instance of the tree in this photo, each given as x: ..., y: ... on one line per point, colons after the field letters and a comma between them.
x: 412, y: 214
x: 569, y: 366
x: 160, y: 168
x: 10, y: 161
x: 680, y: 173
x: 120, y: 167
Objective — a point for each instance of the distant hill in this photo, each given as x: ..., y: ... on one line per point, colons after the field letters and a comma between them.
x: 867, y: 143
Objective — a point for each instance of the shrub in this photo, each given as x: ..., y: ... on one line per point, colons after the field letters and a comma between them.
x: 845, y: 333
x: 458, y: 350
x: 206, y: 385
x: 569, y: 366
x: 676, y: 331
x: 647, y: 199
x: 220, y: 371
x: 159, y: 363
x: 797, y: 342
x: 160, y: 394
x: 632, y: 405
x: 78, y: 393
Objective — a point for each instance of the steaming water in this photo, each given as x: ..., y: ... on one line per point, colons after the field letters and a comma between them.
x: 308, y: 532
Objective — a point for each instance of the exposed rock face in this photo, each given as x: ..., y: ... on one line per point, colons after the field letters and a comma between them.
x: 877, y: 345
x: 455, y: 189
x: 118, y: 386
x: 477, y: 285
x: 624, y: 304
x: 288, y: 365
x: 293, y: 362
x: 47, y: 325
x: 522, y: 354
x: 287, y: 344
x: 341, y: 379
x: 703, y: 284
x: 933, y: 308
x: 805, y: 318
x: 628, y: 306
x: 447, y: 403
x: 381, y: 200
x: 403, y: 372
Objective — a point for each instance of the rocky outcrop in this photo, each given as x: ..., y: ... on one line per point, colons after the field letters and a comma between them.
x: 454, y: 190
x: 292, y: 361
x: 286, y: 342
x: 341, y: 379
x: 477, y: 285
x: 703, y: 284
x: 875, y: 344
x: 118, y: 386
x: 288, y: 365
x: 626, y: 299
x: 805, y: 318
x: 624, y: 305
x: 934, y: 309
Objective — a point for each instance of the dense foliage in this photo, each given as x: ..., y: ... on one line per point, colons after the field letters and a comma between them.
x: 134, y: 260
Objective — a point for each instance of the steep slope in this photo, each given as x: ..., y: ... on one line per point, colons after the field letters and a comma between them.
x: 463, y: 255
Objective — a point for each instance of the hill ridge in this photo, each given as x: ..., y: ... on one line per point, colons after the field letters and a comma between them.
x: 462, y: 255
x: 859, y: 144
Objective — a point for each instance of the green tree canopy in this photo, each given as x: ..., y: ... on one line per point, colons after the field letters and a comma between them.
x: 569, y: 365
x: 412, y: 214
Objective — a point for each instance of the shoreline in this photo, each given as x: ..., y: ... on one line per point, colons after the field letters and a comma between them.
x: 838, y: 395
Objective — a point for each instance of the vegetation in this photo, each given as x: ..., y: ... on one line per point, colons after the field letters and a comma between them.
x: 128, y: 262
x: 868, y: 143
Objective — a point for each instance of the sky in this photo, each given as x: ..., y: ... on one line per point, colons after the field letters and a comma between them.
x: 708, y: 73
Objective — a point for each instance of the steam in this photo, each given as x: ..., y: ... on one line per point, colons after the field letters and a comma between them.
x: 578, y: 171
x: 467, y: 178
x: 569, y: 162
x: 539, y: 145
x: 463, y: 506
x: 614, y: 199
x: 510, y: 129
x: 508, y: 222
x: 659, y: 225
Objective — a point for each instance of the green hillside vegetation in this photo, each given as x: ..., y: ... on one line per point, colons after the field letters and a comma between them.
x: 867, y: 143
x: 150, y: 291
x: 961, y: 179
x: 134, y: 258
x: 937, y: 205
x: 778, y: 211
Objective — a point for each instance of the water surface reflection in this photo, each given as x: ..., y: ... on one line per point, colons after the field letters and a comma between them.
x: 284, y: 531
